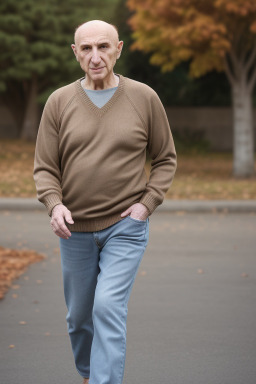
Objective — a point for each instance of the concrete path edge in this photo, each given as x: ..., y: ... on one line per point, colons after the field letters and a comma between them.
x: 226, y: 206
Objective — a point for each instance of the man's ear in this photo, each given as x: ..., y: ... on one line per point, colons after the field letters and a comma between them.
x: 119, y: 48
x: 74, y: 50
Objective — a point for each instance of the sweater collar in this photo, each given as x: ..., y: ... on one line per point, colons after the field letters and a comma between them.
x: 87, y: 101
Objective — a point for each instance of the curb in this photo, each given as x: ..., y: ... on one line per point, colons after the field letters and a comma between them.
x: 20, y: 204
x: 196, y: 206
x: 209, y: 206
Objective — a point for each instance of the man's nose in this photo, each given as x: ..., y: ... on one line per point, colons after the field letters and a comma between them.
x: 95, y: 57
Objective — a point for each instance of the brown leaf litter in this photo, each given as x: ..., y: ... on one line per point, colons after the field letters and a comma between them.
x: 13, y: 263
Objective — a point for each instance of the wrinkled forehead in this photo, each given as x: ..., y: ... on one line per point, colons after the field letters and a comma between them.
x: 93, y: 34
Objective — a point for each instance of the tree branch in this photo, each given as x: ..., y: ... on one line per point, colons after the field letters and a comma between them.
x: 237, y: 39
x: 251, y: 59
x: 235, y: 63
x: 228, y: 71
x: 252, y: 80
x: 243, y: 58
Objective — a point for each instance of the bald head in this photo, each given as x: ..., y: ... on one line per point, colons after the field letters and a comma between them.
x: 93, y: 27
x: 97, y: 48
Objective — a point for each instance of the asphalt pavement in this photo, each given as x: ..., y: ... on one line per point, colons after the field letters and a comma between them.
x: 192, y: 310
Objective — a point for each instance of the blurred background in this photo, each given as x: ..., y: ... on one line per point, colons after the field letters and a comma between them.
x: 196, y: 288
x: 199, y: 56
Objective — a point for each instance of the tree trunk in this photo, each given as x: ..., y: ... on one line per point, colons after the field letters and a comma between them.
x: 31, y: 117
x: 243, y: 148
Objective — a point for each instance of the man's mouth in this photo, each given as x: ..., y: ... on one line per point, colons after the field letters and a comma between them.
x: 97, y: 69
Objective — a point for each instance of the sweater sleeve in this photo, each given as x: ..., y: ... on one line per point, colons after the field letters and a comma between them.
x: 47, y: 173
x: 162, y: 153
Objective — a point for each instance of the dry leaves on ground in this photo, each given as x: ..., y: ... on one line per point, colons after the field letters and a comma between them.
x: 14, y: 263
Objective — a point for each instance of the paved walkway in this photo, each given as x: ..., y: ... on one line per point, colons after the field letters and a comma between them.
x: 191, y: 315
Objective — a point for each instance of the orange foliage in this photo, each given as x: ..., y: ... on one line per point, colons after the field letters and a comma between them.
x: 202, y: 31
x: 13, y: 263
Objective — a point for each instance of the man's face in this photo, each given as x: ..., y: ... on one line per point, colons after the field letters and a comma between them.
x: 97, y: 48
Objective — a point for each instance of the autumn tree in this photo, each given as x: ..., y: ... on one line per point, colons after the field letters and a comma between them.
x: 36, y: 57
x: 212, y: 35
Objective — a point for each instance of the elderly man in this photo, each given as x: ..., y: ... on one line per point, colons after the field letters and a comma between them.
x: 89, y: 173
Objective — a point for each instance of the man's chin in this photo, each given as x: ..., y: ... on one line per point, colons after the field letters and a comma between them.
x: 98, y: 76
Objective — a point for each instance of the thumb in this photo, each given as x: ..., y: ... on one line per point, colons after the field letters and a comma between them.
x: 126, y: 213
x: 68, y: 217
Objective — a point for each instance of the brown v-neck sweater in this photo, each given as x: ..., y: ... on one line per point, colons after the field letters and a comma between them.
x: 92, y: 159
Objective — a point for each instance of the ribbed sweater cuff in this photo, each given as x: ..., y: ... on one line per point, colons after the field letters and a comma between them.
x: 150, y: 202
x: 50, y: 201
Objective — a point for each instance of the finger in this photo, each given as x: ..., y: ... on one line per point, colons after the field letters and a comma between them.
x: 62, y: 235
x: 127, y: 212
x: 62, y: 228
x: 58, y: 231
x: 68, y: 217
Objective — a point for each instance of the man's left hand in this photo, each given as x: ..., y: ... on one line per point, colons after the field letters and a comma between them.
x: 137, y: 211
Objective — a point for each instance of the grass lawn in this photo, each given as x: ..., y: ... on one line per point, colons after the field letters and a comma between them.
x: 199, y: 176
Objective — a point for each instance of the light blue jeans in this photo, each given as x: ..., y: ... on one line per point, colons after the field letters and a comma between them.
x: 99, y: 269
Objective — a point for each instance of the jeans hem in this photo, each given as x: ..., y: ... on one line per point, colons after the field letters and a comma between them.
x: 84, y: 375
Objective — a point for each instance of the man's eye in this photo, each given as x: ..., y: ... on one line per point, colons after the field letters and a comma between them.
x: 103, y: 46
x: 86, y: 48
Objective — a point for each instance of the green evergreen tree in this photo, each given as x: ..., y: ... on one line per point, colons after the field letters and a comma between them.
x: 36, y: 57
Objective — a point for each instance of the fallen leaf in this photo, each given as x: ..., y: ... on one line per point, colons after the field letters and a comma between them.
x: 200, y: 271
x: 22, y: 322
x: 244, y: 274
x: 180, y: 213
x: 11, y: 346
x: 15, y: 286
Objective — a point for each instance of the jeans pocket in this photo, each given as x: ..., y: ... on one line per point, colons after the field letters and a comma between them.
x: 137, y: 220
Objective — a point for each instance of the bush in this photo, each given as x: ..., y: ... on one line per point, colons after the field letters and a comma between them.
x: 187, y: 141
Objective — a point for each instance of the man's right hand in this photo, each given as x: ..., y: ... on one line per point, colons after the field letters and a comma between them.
x: 59, y: 214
